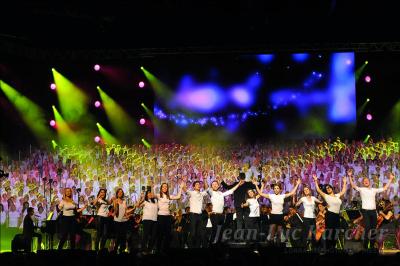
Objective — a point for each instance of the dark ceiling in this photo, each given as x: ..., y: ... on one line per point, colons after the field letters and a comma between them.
x: 42, y: 26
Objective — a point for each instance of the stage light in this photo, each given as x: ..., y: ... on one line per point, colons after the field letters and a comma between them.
x: 96, y: 67
x: 366, y: 62
x: 52, y: 123
x: 141, y: 68
x: 300, y: 57
x: 97, y: 139
x: 367, y: 79
x: 53, y: 86
x: 141, y: 84
x: 368, y: 100
x: 369, y: 117
x: 142, y: 121
x: 97, y: 104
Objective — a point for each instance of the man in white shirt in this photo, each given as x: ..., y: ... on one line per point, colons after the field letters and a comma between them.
x: 368, y: 208
x: 196, y: 198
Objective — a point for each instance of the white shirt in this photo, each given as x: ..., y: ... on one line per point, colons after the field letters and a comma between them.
x: 3, y: 217
x: 163, y: 205
x: 309, y: 207
x: 368, y: 197
x: 334, y: 203
x: 218, y: 199
x: 103, y: 208
x: 276, y: 203
x: 209, y: 224
x: 196, y: 200
x: 13, y: 219
x: 150, y: 210
x: 254, y: 207
x: 121, y: 213
x: 67, y: 208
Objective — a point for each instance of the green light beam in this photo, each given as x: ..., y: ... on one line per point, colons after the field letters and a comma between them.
x: 160, y: 88
x: 106, y: 136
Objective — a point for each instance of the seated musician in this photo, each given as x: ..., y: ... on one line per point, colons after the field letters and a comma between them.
x: 294, y: 223
x: 29, y: 230
x: 384, y: 221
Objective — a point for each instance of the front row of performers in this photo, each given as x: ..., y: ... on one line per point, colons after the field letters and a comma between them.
x: 319, y: 222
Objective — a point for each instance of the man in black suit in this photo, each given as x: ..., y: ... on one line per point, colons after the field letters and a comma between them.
x: 28, y: 230
x: 239, y: 197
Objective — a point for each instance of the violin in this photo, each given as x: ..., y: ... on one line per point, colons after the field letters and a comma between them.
x: 381, y: 218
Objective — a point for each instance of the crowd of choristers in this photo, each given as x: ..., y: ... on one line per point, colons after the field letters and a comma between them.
x: 156, y: 229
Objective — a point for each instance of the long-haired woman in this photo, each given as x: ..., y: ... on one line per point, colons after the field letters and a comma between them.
x: 149, y: 219
x: 277, y: 201
x: 164, y: 218
x: 308, y: 201
x: 67, y: 220
x: 103, y: 220
x: 332, y: 218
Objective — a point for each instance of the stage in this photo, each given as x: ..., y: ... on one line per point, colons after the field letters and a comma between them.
x: 209, y: 257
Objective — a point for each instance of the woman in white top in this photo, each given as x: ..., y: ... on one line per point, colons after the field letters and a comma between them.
x: 121, y: 215
x: 254, y: 206
x: 149, y: 219
x: 103, y: 220
x: 332, y: 218
x: 308, y: 202
x: 277, y: 201
x: 68, y: 218
x: 164, y: 218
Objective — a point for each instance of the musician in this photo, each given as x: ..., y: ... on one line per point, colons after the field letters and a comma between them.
x: 67, y: 221
x: 29, y: 230
x: 320, y: 222
x: 332, y: 218
x: 295, y: 225
x: 368, y: 208
x: 102, y: 221
x: 384, y: 221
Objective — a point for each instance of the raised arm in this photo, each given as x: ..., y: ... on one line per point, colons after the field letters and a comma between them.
x: 260, y: 190
x: 317, y: 186
x: 391, y: 177
x: 353, y: 185
x: 291, y: 193
x: 205, y: 183
x: 298, y: 203
x: 226, y: 186
x: 178, y: 196
x: 344, y: 187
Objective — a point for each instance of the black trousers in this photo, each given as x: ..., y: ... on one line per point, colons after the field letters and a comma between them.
x: 370, y: 219
x: 28, y: 239
x: 67, y: 228
x: 102, y: 228
x: 217, y: 221
x: 332, y: 225
x: 195, y: 230
x: 241, y: 217
x: 149, y: 234
x: 121, y: 231
x: 163, y: 232
x: 308, y: 224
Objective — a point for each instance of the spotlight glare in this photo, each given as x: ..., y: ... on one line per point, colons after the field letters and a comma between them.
x: 348, y: 62
x: 369, y: 117
x: 53, y: 86
x: 52, y: 123
x: 97, y: 104
x: 141, y: 84
x: 96, y: 67
x: 97, y: 139
x: 366, y: 62
x: 142, y: 121
x: 368, y: 100
x: 367, y: 79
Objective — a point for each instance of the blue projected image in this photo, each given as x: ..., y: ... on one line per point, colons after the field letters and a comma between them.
x: 285, y: 94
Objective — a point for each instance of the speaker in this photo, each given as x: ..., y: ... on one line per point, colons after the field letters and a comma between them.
x: 353, y: 246
x: 19, y: 243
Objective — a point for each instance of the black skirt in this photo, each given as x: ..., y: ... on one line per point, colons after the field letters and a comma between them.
x: 276, y: 219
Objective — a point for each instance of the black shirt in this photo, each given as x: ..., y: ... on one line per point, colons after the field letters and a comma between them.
x: 29, y: 227
x: 239, y: 196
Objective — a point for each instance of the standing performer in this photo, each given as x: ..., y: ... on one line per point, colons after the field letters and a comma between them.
x: 308, y: 202
x: 29, y: 230
x: 239, y: 197
x: 164, y: 218
x: 368, y: 209
x: 149, y: 220
x: 196, y: 198
x: 332, y: 218
x: 121, y: 216
x: 103, y: 220
x: 217, y: 216
x: 277, y: 201
x: 68, y: 222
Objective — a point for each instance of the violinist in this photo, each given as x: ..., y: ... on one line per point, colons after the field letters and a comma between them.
x: 368, y: 208
x: 385, y: 218
x: 295, y: 225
